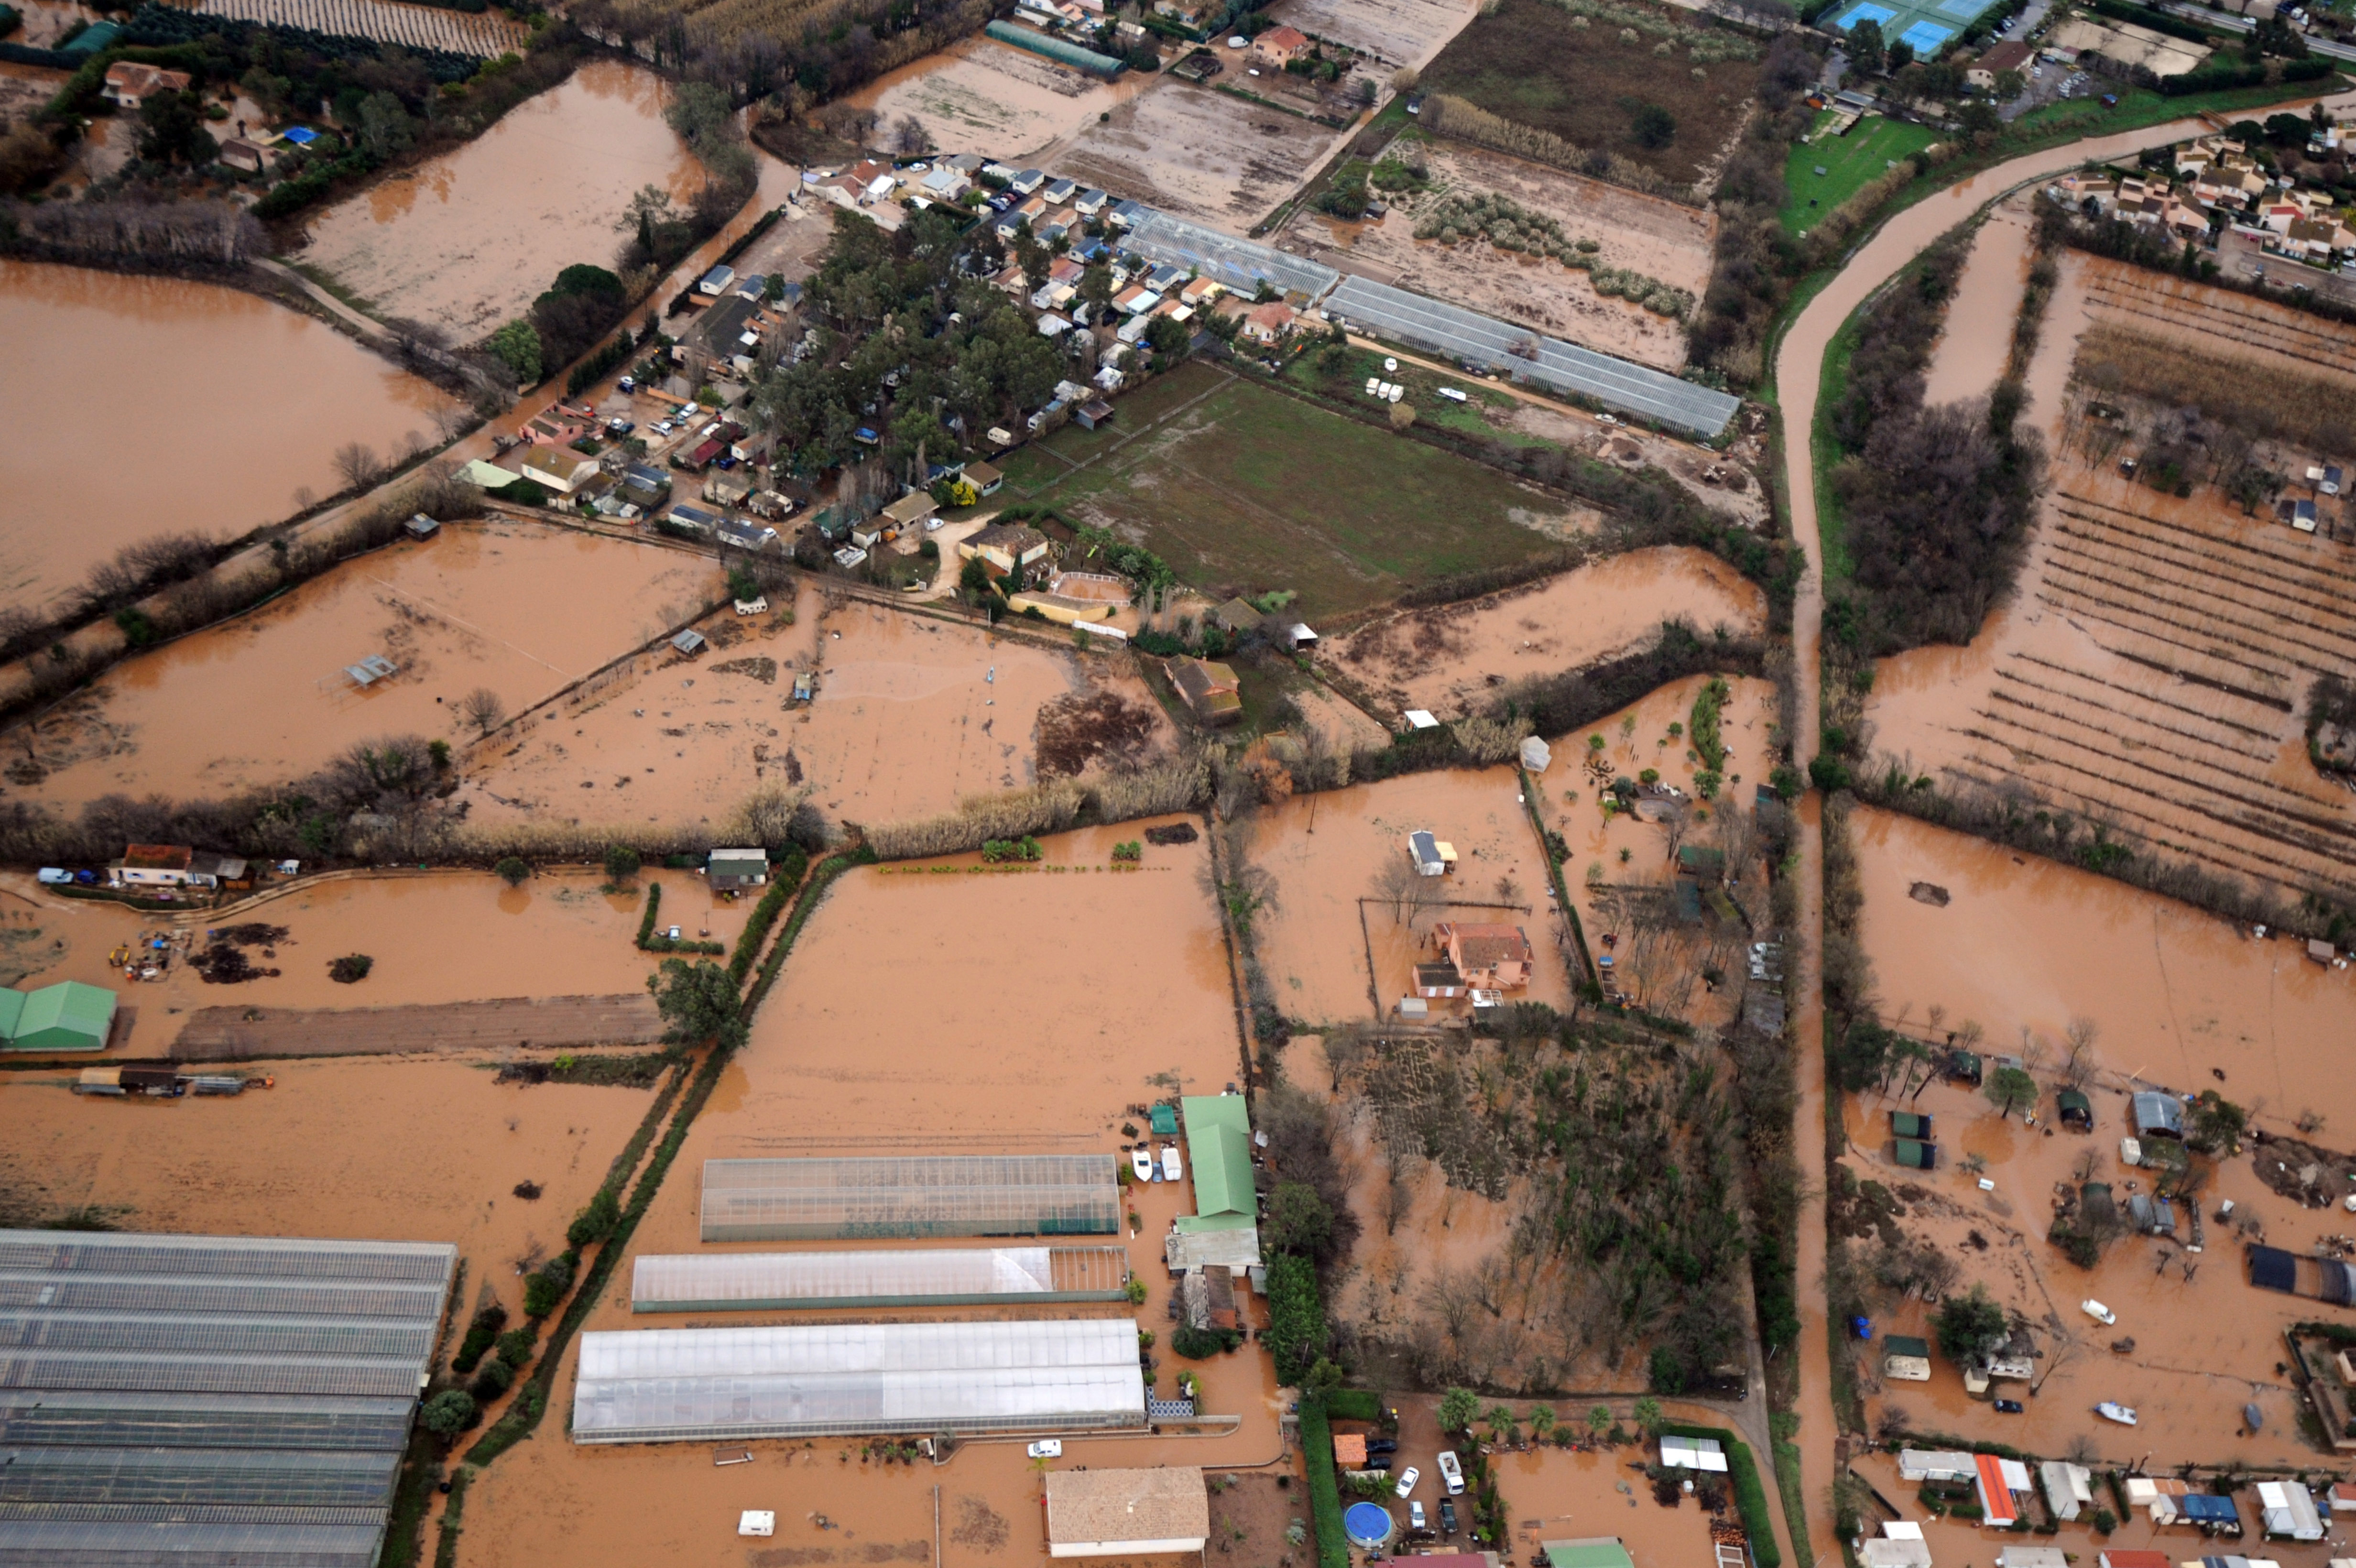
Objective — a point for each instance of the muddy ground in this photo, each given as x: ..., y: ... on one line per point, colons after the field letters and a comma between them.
x: 981, y: 96
x: 1406, y: 33
x: 912, y: 715
x: 1659, y: 239
x: 1452, y: 659
x: 467, y: 241
x: 1196, y: 154
x: 516, y: 608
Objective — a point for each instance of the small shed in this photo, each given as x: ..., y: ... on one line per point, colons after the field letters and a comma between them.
x: 1350, y: 1450
x: 688, y: 644
x: 2218, y: 1516
x: 2032, y: 1557
x: 1418, y: 718
x: 1915, y: 1154
x: 1906, y: 1359
x: 1094, y: 412
x: 421, y: 527
x: 2288, y: 1510
x: 2075, y: 1110
x: 1964, y: 1066
x: 728, y: 870
x: 1909, y: 1125
x: 68, y: 1016
x: 1431, y: 857
x: 2158, y: 1116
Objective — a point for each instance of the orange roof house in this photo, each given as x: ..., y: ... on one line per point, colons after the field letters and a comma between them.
x: 1280, y: 46
x: 1489, y: 957
x: 129, y: 83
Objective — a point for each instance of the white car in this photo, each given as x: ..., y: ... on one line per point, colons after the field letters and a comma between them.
x: 1452, y: 1473
x: 1415, y: 1516
x: 1406, y: 1482
x: 1047, y: 1448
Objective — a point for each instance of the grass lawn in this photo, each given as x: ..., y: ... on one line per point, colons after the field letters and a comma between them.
x: 1239, y: 487
x: 1848, y: 162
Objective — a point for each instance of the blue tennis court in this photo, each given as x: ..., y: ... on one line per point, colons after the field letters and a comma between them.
x: 1926, y: 37
x: 1924, y: 25
x: 1866, y: 13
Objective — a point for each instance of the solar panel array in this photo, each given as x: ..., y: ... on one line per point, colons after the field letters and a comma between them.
x: 1464, y: 335
x: 204, y: 1399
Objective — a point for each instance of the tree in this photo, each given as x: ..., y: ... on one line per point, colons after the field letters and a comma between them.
x: 1653, y: 126
x: 1365, y: 89
x: 595, y: 1222
x: 1599, y: 1421
x: 172, y: 129
x: 700, y: 1002
x: 28, y: 157
x: 448, y: 1414
x: 385, y: 126
x: 516, y: 345
x: 910, y: 138
x: 2078, y: 1066
x: 1298, y: 1220
x: 1168, y: 339
x: 1458, y: 1408
x: 2008, y: 1088
x: 2214, y: 1124
x: 2009, y: 85
x: 483, y: 709
x: 1970, y: 1325
x: 1541, y: 1421
x: 1648, y: 1413
x: 1865, y: 50
x: 359, y: 463
x: 621, y: 862
x: 513, y: 870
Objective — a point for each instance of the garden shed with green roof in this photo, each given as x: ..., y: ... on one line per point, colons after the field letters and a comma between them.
x: 68, y: 1016
x: 1218, y: 1142
x: 1589, y: 1552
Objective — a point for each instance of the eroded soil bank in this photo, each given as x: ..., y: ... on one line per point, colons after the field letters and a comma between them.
x: 217, y: 407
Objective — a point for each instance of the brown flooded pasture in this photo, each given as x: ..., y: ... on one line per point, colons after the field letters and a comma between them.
x: 519, y: 609
x: 1196, y: 154
x: 466, y: 241
x: 981, y: 96
x: 240, y: 404
x: 1450, y: 658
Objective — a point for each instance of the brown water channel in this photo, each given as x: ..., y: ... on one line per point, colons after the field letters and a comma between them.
x: 234, y: 405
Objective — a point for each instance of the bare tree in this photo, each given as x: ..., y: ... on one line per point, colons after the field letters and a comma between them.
x: 2078, y: 1065
x: 483, y: 709
x: 359, y: 465
x: 910, y: 138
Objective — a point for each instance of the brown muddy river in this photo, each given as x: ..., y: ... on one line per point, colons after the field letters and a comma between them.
x: 239, y: 405
x: 468, y: 239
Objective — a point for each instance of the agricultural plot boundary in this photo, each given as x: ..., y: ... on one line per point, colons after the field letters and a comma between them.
x: 1463, y: 335
x: 506, y: 1023
x: 483, y: 35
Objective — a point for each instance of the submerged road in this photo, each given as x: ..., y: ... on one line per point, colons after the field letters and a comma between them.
x: 1799, y: 372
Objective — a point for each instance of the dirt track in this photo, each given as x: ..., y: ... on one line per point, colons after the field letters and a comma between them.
x: 248, y: 1034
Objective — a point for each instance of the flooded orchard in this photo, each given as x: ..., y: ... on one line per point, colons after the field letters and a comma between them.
x: 240, y: 404
x: 516, y: 609
x: 468, y: 239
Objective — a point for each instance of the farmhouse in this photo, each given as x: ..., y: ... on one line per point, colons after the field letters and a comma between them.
x: 240, y: 154
x: 1109, y: 1513
x: 1268, y: 324
x: 1280, y: 46
x: 1210, y: 690
x: 728, y: 870
x: 1490, y: 957
x: 560, y: 468
x: 2009, y: 55
x: 153, y: 865
x: 1005, y: 546
x: 129, y: 84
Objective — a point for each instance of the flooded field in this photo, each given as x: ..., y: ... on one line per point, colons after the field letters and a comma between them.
x: 219, y: 450
x: 468, y: 239
x: 981, y: 96
x: 1450, y: 658
x: 1196, y: 153
x: 1967, y: 361
x: 439, y: 937
x: 1406, y: 33
x: 371, y: 1148
x: 2180, y: 997
x: 518, y: 608
x: 1662, y: 240
x: 912, y: 715
x: 1320, y: 853
x: 2218, y: 321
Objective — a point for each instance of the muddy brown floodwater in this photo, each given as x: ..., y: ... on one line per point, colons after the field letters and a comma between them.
x: 468, y: 239
x: 442, y: 936
x: 1971, y: 351
x: 518, y: 608
x: 240, y: 403
x: 896, y: 1027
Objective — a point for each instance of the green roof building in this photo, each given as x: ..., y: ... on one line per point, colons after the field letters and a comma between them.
x: 1591, y: 1551
x: 69, y: 1015
x: 1218, y: 1143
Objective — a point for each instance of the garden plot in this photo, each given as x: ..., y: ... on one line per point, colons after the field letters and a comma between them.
x: 1196, y: 153
x: 1407, y: 32
x: 1635, y: 234
x: 516, y: 609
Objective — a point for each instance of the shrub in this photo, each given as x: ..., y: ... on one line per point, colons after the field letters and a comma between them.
x: 1324, y: 1491
x: 492, y: 1379
x: 621, y: 862
x: 513, y: 870
x: 1297, y: 1333
x: 545, y: 1287
x: 595, y: 1222
x: 448, y: 1414
x: 1750, y: 1496
x: 350, y: 969
x: 516, y: 1346
x: 1202, y: 1344
x: 481, y: 1334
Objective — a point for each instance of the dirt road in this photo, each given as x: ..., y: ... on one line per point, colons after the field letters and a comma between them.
x: 1799, y: 370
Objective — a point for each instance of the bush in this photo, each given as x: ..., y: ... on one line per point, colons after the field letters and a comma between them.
x: 492, y: 1379
x: 448, y: 1414
x: 513, y: 870
x: 545, y: 1287
x: 595, y: 1222
x: 1324, y: 1491
x: 785, y: 876
x: 1354, y: 1404
x: 481, y: 1334
x: 1297, y: 1333
x: 516, y: 1346
x: 1202, y: 1344
x: 350, y: 969
x: 621, y: 862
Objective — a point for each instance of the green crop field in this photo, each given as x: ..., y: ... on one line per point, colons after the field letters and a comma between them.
x: 1848, y: 162
x: 1242, y: 488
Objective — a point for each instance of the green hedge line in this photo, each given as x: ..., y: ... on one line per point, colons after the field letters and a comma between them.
x: 1324, y: 1490
x: 785, y: 876
x: 649, y: 943
x: 1750, y: 1494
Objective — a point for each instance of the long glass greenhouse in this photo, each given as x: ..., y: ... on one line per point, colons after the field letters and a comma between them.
x: 188, y: 1399
x: 905, y: 1196
x: 656, y: 1385
x: 963, y: 1276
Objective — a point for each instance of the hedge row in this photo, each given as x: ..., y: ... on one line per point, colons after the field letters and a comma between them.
x: 1324, y: 1489
x: 785, y: 876
x: 1750, y: 1496
x: 649, y: 943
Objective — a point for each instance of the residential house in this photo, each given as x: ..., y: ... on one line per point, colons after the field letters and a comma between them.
x: 2032, y: 1557
x: 1129, y: 214
x: 1005, y: 546
x: 912, y: 510
x: 1947, y: 1471
x: 1024, y: 182
x: 1900, y: 1545
x: 1200, y: 292
x: 1186, y: 13
x: 2009, y: 55
x: 688, y: 643
x: 843, y: 190
x: 551, y: 430
x: 2002, y: 1484
x: 1135, y: 300
x: 730, y: 488
x: 694, y: 518
x: 1432, y: 855
x: 1268, y: 324
x: 1088, y: 203
x: 130, y: 84
x: 737, y: 534
x: 1210, y: 690
x: 944, y: 184
x: 240, y: 154
x: 1059, y: 191
x: 1490, y: 957
x: 714, y: 283
x: 153, y: 865
x: 729, y: 869
x: 1280, y: 46
x: 2068, y: 1488
x: 984, y: 478
x: 648, y: 485
x: 560, y: 468
x: 1124, y: 1513
x: 2288, y: 1510
x: 1906, y: 1359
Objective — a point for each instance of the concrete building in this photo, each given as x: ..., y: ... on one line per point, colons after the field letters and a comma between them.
x: 1127, y: 1513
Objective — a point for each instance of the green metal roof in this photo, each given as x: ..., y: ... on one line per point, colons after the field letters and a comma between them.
x: 1218, y: 1142
x: 1905, y: 1345
x: 1164, y: 1119
x: 1909, y: 1123
x: 1913, y: 1153
x: 12, y: 1006
x: 1597, y: 1552
x: 68, y: 1016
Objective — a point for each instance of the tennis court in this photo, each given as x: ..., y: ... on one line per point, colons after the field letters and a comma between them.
x: 1925, y: 25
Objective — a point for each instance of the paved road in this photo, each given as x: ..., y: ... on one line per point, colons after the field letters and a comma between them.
x: 2227, y: 22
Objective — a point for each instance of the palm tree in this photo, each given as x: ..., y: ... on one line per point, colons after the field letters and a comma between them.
x: 1599, y: 1421
x: 1541, y: 1421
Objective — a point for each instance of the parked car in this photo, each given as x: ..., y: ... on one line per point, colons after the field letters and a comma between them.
x: 1382, y: 1444
x: 1448, y: 1515
x: 1047, y: 1448
x: 1406, y: 1482
x: 1415, y: 1515
x: 2010, y: 1406
x: 1452, y: 1473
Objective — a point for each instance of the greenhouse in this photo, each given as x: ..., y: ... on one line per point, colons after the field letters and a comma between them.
x: 185, y: 1399
x: 909, y: 1196
x: 656, y: 1385
x: 965, y: 1276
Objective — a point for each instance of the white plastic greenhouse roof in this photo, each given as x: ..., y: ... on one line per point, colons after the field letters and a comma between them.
x: 678, y: 1384
x: 955, y: 1276
x: 909, y: 1196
